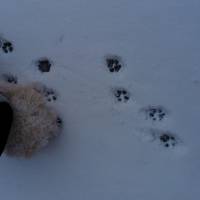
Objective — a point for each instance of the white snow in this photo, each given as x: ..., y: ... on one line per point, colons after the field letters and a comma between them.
x: 106, y: 150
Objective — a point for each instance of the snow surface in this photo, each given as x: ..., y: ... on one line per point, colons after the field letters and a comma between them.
x: 107, y: 150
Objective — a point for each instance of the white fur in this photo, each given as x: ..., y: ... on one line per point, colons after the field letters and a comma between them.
x: 34, y: 121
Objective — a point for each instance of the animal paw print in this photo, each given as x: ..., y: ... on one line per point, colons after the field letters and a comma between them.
x: 44, y: 64
x: 59, y: 122
x: 155, y: 113
x: 168, y: 140
x: 10, y: 78
x: 50, y: 95
x: 165, y: 138
x: 6, y: 46
x: 114, y: 64
x: 122, y: 95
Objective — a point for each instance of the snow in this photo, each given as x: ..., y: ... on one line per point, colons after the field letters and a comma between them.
x: 107, y: 149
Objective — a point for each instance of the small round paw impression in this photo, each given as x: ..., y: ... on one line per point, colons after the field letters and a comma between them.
x: 6, y: 46
x: 44, y: 64
x: 155, y: 113
x: 165, y: 138
x: 168, y: 139
x: 122, y: 95
x: 114, y: 64
x: 50, y: 94
x: 59, y: 122
x: 10, y: 78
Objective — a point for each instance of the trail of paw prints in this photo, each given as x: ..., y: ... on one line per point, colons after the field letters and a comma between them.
x: 6, y: 45
x: 154, y: 113
x: 9, y: 78
x: 121, y: 95
x: 49, y: 93
x: 114, y: 64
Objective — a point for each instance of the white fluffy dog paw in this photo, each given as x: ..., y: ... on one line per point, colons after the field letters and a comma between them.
x: 35, y: 123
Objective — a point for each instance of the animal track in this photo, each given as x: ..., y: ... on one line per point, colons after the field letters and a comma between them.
x: 167, y: 139
x: 44, y: 64
x: 6, y: 45
x: 154, y: 113
x: 113, y: 63
x: 164, y: 138
x: 10, y: 78
x: 59, y: 122
x: 49, y: 94
x: 122, y: 95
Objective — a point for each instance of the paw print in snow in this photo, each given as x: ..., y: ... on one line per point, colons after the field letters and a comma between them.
x: 122, y: 95
x: 165, y: 138
x: 59, y: 122
x: 168, y: 139
x: 154, y: 113
x: 114, y: 64
x: 50, y: 95
x: 44, y: 64
x: 10, y: 78
x: 6, y: 45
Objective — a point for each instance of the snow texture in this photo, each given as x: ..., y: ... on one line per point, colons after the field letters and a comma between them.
x: 108, y: 149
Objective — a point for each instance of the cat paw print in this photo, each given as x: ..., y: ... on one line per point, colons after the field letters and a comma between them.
x: 154, y: 113
x: 165, y: 138
x: 6, y: 45
x: 44, y: 65
x: 114, y: 64
x: 168, y: 139
x: 121, y: 95
x: 59, y: 122
x: 9, y: 78
x: 49, y: 93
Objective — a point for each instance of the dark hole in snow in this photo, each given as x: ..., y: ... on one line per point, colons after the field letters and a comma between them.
x: 44, y: 65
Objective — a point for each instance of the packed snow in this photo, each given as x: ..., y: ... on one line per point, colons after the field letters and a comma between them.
x: 126, y: 82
